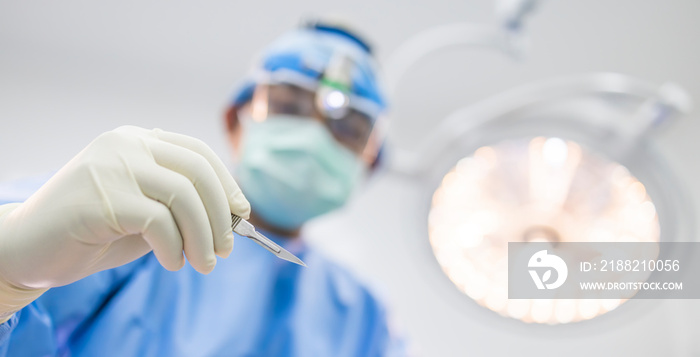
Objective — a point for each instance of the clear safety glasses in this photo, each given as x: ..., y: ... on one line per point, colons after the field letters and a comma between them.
x: 353, y: 129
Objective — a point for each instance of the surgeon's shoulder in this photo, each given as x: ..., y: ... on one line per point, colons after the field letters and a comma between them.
x: 344, y: 286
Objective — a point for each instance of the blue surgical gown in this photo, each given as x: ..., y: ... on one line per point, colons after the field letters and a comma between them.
x: 252, y: 304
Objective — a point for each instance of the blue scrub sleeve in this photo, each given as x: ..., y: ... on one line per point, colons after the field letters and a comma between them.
x: 46, y: 326
x: 381, y: 341
x: 6, y: 330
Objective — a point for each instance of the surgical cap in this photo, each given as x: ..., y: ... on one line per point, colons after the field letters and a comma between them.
x: 300, y: 58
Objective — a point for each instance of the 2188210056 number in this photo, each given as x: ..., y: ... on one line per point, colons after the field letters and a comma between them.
x: 640, y: 265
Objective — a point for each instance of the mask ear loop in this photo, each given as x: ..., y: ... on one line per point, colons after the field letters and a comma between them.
x: 231, y: 119
x: 372, y: 154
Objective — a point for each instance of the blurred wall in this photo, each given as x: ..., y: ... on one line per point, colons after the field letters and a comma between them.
x: 70, y: 70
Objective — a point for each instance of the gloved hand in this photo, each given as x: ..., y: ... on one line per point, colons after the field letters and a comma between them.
x: 130, y: 191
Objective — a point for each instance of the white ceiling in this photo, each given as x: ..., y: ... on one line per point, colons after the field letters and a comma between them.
x: 79, y: 68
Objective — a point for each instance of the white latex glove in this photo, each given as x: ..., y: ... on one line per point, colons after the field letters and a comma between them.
x: 130, y: 191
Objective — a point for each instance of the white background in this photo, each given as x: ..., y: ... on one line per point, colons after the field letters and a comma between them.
x: 70, y: 70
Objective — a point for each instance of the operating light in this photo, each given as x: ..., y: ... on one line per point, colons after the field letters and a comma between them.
x: 533, y: 189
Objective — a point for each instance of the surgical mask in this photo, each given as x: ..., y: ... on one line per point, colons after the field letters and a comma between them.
x: 292, y: 169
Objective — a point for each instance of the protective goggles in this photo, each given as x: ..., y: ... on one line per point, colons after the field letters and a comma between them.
x: 350, y: 127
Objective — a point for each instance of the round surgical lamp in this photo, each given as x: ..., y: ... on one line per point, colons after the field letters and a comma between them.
x: 564, y: 160
x: 559, y: 160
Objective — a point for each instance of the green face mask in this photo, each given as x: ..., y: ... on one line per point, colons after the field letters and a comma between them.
x: 292, y: 170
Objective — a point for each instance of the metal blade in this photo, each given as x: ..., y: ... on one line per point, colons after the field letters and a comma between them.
x: 244, y: 228
x: 275, y: 249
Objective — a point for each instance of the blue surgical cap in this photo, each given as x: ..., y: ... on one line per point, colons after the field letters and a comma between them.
x: 300, y: 57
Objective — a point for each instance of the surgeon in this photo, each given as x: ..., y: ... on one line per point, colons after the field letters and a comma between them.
x: 122, y: 251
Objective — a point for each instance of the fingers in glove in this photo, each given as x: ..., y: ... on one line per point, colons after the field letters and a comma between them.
x: 178, y: 194
x: 238, y: 204
x: 152, y: 221
x: 204, y: 179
